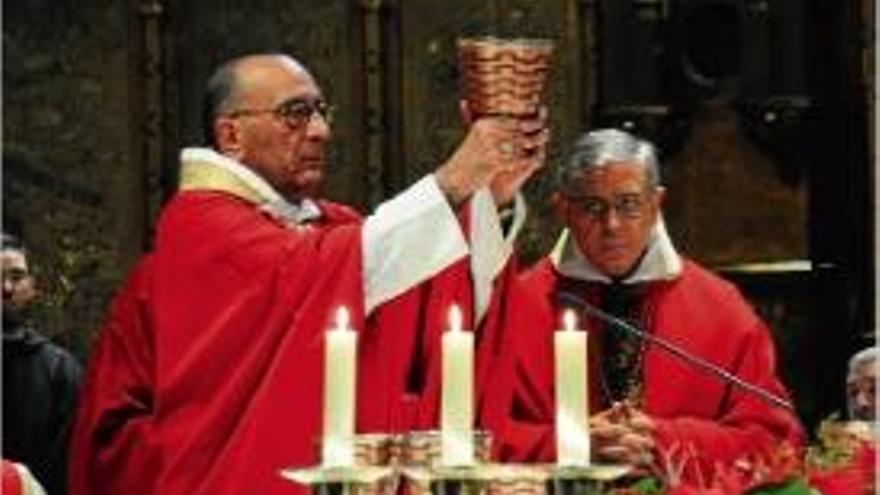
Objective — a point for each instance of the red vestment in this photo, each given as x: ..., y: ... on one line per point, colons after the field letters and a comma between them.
x: 696, y: 311
x: 207, y: 377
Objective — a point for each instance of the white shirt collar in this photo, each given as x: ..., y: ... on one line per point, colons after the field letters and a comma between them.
x: 273, y: 202
x: 660, y: 262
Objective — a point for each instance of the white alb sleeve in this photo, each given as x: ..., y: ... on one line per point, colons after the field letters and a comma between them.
x: 490, y: 247
x: 407, y: 240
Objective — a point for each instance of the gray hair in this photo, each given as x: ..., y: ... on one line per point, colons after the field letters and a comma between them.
x: 218, y: 96
x: 9, y: 242
x: 862, y: 357
x: 598, y: 148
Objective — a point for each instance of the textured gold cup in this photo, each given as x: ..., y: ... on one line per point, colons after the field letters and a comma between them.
x: 503, y: 76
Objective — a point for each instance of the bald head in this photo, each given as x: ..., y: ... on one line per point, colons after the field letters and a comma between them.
x: 267, y: 113
x: 235, y: 80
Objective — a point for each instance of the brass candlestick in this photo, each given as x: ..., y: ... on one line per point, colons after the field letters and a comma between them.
x: 576, y: 480
x: 423, y: 468
x: 346, y: 480
x: 374, y: 472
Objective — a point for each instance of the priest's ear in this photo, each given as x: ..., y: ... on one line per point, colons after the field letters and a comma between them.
x: 657, y: 197
x: 559, y: 205
x: 228, y: 137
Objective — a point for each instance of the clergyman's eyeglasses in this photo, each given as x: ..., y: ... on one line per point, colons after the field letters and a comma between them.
x: 629, y: 206
x: 295, y: 112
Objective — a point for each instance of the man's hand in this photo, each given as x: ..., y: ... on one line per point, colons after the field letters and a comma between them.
x: 623, y: 434
x: 527, y: 156
x: 484, y: 153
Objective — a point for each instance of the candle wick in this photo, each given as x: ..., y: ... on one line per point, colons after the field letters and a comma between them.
x: 342, y: 320
x: 455, y: 319
x: 569, y: 321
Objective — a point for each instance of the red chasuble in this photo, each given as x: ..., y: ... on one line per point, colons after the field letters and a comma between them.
x: 207, y: 378
x: 698, y: 312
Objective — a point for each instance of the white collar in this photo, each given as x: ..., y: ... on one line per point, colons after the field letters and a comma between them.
x: 272, y: 201
x: 660, y: 262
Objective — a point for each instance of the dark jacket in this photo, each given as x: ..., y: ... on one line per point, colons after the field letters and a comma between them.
x: 40, y: 382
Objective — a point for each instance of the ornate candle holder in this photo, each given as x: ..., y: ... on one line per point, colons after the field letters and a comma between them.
x: 513, y: 479
x: 422, y: 448
x: 421, y: 465
x: 576, y: 480
x: 374, y: 472
x: 517, y: 479
x: 503, y: 76
x: 489, y: 479
x: 381, y: 460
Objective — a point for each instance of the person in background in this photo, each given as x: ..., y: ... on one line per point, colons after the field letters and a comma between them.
x: 646, y: 405
x: 40, y: 379
x: 861, y: 386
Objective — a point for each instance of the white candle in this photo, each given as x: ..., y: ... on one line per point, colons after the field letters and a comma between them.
x: 572, y: 427
x: 456, y: 413
x: 340, y: 361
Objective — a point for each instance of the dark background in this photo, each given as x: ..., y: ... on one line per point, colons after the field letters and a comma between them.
x: 763, y: 111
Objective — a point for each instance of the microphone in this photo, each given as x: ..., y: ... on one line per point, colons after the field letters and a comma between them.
x: 691, y: 359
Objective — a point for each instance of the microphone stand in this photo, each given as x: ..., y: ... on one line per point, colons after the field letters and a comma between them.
x: 695, y: 361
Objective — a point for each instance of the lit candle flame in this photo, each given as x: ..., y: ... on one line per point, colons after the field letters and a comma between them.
x: 454, y: 318
x: 342, y: 319
x: 569, y: 320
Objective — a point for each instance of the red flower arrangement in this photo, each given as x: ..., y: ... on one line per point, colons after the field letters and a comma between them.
x: 844, y: 462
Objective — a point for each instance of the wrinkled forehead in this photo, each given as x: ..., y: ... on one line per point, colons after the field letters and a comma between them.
x: 12, y: 259
x: 612, y: 177
x: 866, y: 368
x: 274, y: 80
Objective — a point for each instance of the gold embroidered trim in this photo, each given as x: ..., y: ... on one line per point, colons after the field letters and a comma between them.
x: 201, y: 175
